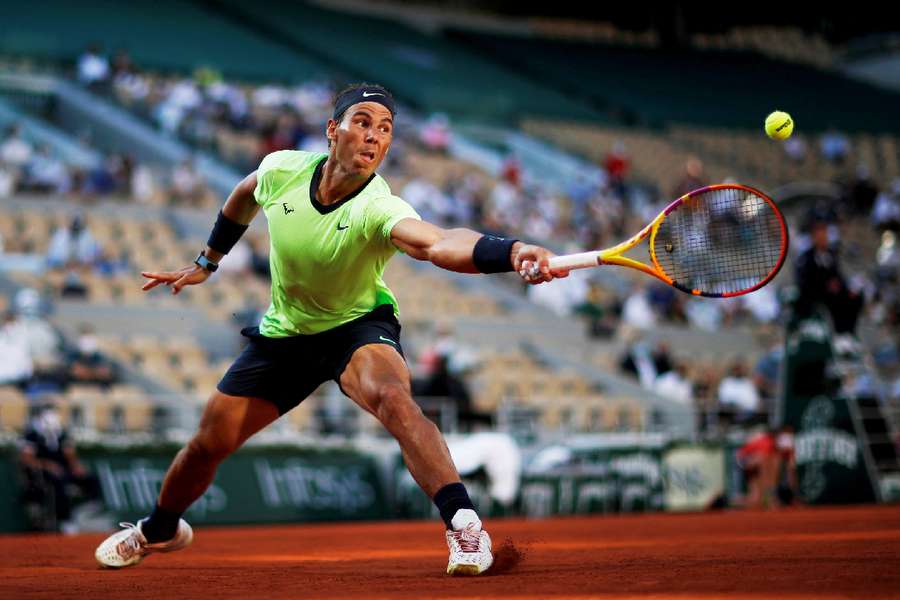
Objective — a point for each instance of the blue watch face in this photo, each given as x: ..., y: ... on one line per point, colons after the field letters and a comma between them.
x: 205, y: 263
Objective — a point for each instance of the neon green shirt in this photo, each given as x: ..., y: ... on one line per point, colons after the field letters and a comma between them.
x: 326, y: 261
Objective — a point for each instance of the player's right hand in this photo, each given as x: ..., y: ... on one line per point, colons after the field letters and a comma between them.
x: 190, y: 275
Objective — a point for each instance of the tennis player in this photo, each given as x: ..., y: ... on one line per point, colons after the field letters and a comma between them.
x: 333, y: 225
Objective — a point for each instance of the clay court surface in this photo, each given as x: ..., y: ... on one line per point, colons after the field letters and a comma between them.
x: 805, y: 553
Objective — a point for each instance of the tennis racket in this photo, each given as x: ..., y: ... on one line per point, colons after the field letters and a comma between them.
x: 718, y: 241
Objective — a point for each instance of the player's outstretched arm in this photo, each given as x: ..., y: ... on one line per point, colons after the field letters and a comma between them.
x: 236, y: 215
x: 455, y: 250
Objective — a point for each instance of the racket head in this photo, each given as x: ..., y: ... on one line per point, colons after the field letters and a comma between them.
x: 719, y: 241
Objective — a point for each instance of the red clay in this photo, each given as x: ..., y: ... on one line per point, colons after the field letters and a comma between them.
x: 804, y: 553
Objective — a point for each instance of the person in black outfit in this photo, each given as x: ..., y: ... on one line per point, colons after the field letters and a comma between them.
x: 48, y: 456
x: 821, y: 282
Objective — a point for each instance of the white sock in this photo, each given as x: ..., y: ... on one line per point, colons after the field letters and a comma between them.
x: 465, y: 517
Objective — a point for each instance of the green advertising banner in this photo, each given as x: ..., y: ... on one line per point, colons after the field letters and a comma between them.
x: 256, y: 485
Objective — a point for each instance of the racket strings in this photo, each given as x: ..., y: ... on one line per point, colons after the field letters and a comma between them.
x: 722, y: 241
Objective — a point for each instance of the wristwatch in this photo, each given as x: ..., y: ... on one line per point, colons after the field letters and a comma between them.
x: 205, y: 263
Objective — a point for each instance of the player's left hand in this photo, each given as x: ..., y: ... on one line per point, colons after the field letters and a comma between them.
x: 529, y: 255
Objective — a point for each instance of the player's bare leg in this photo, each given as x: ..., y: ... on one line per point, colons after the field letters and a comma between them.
x: 377, y: 379
x: 226, y: 424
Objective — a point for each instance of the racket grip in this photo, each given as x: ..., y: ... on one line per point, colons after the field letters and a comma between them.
x: 582, y: 260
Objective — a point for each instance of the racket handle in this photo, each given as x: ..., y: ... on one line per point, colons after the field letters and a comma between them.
x: 582, y: 260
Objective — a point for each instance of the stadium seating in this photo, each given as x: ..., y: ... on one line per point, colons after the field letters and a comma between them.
x: 709, y: 88
x: 202, y: 38
x: 426, y: 70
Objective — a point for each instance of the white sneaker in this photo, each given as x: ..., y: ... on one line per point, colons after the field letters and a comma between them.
x: 129, y: 546
x: 470, y: 550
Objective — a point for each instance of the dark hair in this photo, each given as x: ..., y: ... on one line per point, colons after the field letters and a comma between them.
x: 353, y: 87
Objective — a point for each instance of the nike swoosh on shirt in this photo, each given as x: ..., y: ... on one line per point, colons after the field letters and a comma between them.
x: 381, y: 337
x: 367, y: 94
x: 339, y: 228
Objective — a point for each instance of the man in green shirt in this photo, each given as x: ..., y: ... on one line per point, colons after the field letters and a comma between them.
x: 333, y: 225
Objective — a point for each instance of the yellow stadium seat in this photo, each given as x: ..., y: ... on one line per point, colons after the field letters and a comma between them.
x: 14, y: 410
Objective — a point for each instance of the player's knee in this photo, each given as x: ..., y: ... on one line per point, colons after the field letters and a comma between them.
x: 210, y: 448
x: 396, y: 408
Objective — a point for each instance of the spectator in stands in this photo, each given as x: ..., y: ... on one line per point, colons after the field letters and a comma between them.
x: 43, y: 342
x: 617, y: 163
x: 643, y: 363
x: 886, y: 212
x: 435, y: 133
x: 73, y: 245
x: 86, y: 363
x: 441, y: 383
x: 860, y: 192
x: 637, y: 310
x: 602, y: 315
x: 188, y: 185
x: 675, y: 385
x: 15, y: 150
x: 795, y: 148
x: 8, y: 180
x: 16, y: 366
x: 834, y: 146
x: 820, y: 281
x: 511, y: 170
x: 46, y: 173
x: 93, y: 67
x: 738, y: 397
x: 50, y: 461
x: 692, y: 179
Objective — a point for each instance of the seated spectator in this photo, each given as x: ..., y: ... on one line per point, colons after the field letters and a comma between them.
x: 15, y: 151
x: 51, y: 465
x: 617, y: 163
x: 73, y: 246
x: 46, y: 173
x: 16, y: 366
x: 187, y: 184
x: 834, y: 146
x: 692, y: 179
x: 43, y: 342
x: 435, y: 133
x: 9, y: 180
x: 73, y: 285
x: 86, y: 363
x: 637, y: 310
x: 886, y: 212
x: 820, y: 281
x: 795, y: 147
x: 644, y: 364
x: 860, y: 192
x: 443, y: 384
x: 92, y: 67
x: 675, y: 385
x: 602, y: 315
x: 738, y: 396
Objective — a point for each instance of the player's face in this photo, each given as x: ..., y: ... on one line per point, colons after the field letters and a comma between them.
x: 363, y: 137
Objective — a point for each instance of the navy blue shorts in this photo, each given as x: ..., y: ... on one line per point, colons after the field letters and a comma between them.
x: 285, y: 371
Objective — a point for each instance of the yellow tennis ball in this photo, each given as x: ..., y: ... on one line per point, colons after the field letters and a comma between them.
x: 779, y: 125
